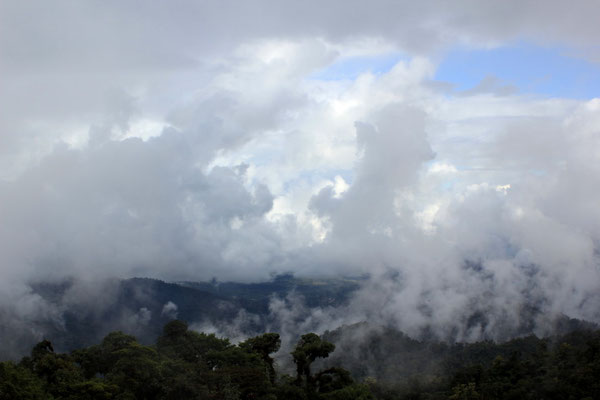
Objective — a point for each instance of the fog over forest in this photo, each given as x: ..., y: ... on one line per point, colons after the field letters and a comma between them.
x: 241, y: 140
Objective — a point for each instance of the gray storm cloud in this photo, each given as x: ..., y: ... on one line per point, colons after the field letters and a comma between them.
x: 190, y: 140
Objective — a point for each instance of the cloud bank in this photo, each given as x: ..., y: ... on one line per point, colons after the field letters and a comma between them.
x: 195, y: 140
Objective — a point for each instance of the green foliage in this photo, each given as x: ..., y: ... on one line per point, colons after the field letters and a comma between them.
x: 332, y: 379
x: 180, y: 380
x: 57, y: 372
x: 189, y: 365
x: 108, y: 352
x: 398, y: 367
x: 351, y: 392
x: 137, y: 369
x: 330, y: 383
x: 179, y: 342
x: 568, y: 370
x: 94, y: 389
x: 182, y: 365
x: 89, y: 360
x: 309, y: 348
x: 264, y: 345
x: 288, y: 389
x: 19, y: 383
x: 464, y: 392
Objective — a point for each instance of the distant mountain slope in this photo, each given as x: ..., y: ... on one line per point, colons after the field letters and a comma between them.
x: 136, y: 306
x: 256, y: 296
x: 141, y: 306
x: 392, y: 357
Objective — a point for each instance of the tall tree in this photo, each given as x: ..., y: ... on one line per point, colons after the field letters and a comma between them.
x: 264, y: 345
x: 309, y: 348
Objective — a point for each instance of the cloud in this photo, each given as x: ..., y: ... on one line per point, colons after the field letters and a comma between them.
x: 491, y: 84
x: 194, y: 140
x: 169, y: 310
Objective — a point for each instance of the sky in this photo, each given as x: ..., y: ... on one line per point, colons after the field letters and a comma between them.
x: 404, y: 141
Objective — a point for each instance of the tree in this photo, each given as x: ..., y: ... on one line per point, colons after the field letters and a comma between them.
x: 264, y: 345
x: 19, y: 383
x: 179, y: 342
x: 137, y: 370
x: 108, y: 352
x: 464, y: 392
x: 58, y: 372
x: 309, y: 348
x: 183, y: 365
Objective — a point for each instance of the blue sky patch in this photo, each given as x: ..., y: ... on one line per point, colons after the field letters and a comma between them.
x: 527, y: 68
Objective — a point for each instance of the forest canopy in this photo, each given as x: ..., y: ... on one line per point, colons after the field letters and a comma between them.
x: 185, y: 364
x: 182, y: 364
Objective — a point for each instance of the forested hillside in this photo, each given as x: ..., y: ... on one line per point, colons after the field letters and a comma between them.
x: 142, y: 306
x: 398, y: 367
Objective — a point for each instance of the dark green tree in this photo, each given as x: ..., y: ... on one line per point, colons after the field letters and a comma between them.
x: 307, y: 350
x: 136, y: 369
x: 177, y: 341
x: 19, y: 383
x: 264, y: 345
